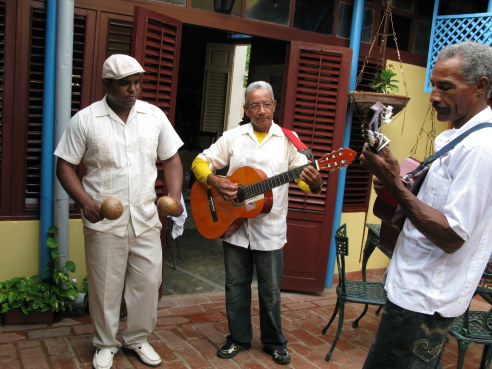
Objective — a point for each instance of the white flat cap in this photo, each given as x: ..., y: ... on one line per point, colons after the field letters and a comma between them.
x: 119, y: 66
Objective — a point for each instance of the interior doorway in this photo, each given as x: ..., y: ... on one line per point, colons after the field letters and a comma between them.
x: 264, y: 59
x: 204, y: 109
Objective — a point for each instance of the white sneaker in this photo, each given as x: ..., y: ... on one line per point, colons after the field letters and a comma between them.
x: 103, y: 359
x: 147, y: 354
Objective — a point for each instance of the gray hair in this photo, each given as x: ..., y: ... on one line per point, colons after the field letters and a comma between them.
x: 256, y: 85
x: 477, y: 61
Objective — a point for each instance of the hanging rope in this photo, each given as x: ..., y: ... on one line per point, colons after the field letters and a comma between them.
x: 397, y: 49
x: 382, y: 34
x: 429, y: 135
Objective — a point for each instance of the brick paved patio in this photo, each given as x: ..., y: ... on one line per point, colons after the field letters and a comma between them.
x: 191, y: 327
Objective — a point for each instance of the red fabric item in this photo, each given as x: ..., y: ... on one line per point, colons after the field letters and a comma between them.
x: 295, y: 140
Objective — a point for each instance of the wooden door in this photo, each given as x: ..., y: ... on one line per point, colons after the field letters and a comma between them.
x: 156, y: 44
x: 316, y: 85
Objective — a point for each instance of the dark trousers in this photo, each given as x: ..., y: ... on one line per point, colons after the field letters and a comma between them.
x: 239, y: 264
x: 408, y: 340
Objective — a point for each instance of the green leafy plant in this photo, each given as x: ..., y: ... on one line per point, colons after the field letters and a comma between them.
x: 85, y: 285
x: 56, y: 292
x: 384, y: 81
x: 25, y: 294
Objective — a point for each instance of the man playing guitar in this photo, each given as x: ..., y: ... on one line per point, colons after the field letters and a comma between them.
x: 445, y: 242
x: 259, y: 240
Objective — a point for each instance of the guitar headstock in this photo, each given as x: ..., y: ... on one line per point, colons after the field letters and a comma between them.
x: 370, y: 131
x: 336, y: 159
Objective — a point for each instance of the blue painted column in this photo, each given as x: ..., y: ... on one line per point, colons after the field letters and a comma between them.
x: 46, y: 194
x: 63, y: 105
x: 355, y: 35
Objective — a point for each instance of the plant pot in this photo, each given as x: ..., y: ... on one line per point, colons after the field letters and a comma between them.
x: 34, y: 317
x: 362, y: 101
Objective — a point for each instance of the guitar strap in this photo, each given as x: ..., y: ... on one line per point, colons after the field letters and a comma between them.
x: 449, y: 146
x: 301, y: 147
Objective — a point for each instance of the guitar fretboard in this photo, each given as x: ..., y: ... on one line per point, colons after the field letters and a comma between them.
x: 267, y: 184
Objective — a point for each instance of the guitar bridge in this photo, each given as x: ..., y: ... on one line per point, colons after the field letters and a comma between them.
x: 211, y: 206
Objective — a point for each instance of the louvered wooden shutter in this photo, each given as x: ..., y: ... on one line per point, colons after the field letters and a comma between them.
x: 358, y: 179
x: 156, y: 45
x: 119, y: 36
x: 78, y: 61
x: 214, y: 101
x: 115, y: 32
x: 218, y: 66
x: 2, y: 126
x: 315, y: 108
x: 315, y: 105
x: 80, y: 77
x: 22, y: 98
x: 35, y: 110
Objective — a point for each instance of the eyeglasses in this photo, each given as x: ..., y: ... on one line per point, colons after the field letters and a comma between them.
x: 256, y: 106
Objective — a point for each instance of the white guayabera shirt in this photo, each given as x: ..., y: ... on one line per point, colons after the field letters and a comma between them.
x: 276, y: 154
x: 120, y: 159
x: 423, y: 278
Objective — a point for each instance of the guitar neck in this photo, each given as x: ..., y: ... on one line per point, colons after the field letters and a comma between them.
x: 267, y: 184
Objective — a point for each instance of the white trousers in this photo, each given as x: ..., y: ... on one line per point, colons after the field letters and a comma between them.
x: 129, y: 267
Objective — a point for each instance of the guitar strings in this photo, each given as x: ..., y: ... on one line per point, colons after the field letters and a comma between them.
x: 262, y: 186
x: 265, y: 185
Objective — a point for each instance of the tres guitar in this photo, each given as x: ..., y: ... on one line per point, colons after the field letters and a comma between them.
x: 386, y: 207
x: 215, y: 217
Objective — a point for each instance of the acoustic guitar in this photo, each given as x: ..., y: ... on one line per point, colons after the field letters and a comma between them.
x: 215, y: 217
x: 387, y: 209
x: 385, y: 206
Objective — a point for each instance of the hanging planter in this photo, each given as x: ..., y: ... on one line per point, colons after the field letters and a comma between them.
x: 363, y: 100
x: 384, y: 85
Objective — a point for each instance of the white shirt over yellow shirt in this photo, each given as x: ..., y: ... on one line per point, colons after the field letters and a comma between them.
x: 275, y: 154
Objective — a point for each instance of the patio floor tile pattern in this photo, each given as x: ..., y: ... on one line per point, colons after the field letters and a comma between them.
x: 191, y: 327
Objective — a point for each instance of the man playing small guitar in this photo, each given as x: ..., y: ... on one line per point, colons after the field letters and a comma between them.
x: 259, y: 240
x: 446, y: 240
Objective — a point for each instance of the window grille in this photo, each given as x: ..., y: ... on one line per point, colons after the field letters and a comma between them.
x: 451, y: 29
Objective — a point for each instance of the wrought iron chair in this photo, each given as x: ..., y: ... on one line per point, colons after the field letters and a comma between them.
x: 476, y: 326
x: 360, y: 291
x: 371, y: 244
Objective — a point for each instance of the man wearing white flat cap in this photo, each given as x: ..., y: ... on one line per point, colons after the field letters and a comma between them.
x: 118, y: 140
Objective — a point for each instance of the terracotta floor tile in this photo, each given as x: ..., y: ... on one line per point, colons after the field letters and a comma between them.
x: 191, y: 328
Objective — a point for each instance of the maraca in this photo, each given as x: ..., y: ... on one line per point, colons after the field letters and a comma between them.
x: 166, y: 205
x: 111, y: 208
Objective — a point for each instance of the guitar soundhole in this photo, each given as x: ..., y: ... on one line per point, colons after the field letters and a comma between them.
x: 240, y: 197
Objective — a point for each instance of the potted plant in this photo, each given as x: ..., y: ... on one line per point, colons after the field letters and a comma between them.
x: 36, y: 298
x: 384, y: 81
x: 384, y: 87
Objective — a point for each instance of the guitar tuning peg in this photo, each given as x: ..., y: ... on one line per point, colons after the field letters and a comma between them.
x: 388, y: 112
